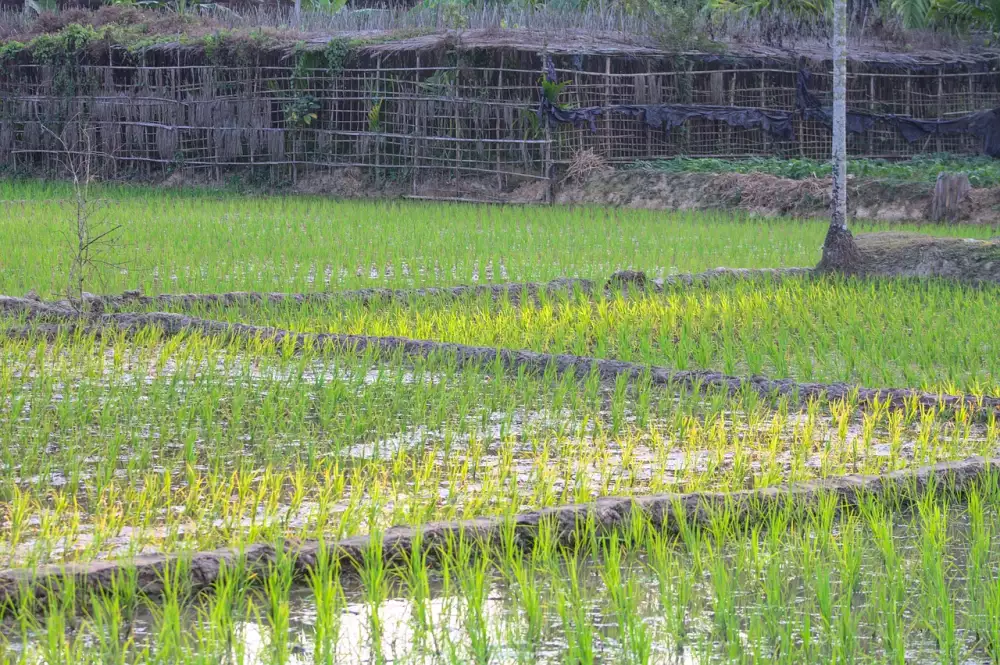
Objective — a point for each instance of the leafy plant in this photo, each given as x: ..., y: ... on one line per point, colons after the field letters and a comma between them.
x: 552, y: 90
x: 916, y: 14
x: 982, y: 171
x: 337, y: 52
x: 966, y: 15
x: 302, y: 111
x: 327, y: 6
x: 375, y: 116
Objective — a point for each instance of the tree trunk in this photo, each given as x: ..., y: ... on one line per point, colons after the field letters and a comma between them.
x: 839, y: 250
x: 950, y: 191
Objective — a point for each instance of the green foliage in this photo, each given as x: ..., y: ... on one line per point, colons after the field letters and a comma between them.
x: 983, y: 171
x: 440, y: 84
x: 337, y: 52
x: 966, y: 15
x: 529, y: 125
x: 181, y: 7
x: 217, y: 47
x: 10, y: 51
x: 326, y: 6
x: 552, y: 90
x: 678, y: 24
x: 302, y: 112
x: 916, y: 14
x: 301, y: 68
x: 453, y: 13
x: 63, y: 46
x: 227, y: 48
x: 801, y: 9
x: 63, y: 51
x: 72, y: 43
x: 375, y: 116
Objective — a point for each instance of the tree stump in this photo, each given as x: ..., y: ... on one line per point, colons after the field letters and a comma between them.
x: 949, y: 192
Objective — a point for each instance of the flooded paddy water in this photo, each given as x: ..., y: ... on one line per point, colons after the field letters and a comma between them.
x: 884, y: 583
x: 179, y: 445
x: 122, y: 445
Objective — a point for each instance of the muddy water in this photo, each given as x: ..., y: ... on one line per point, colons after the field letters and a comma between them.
x: 583, y: 623
x: 508, y: 442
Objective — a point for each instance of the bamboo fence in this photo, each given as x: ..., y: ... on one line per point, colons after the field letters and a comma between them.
x: 412, y: 113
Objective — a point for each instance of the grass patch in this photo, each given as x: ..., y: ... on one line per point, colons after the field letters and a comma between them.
x: 982, y: 171
x: 202, y: 242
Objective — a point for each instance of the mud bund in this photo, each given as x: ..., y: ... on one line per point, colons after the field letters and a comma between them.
x: 665, y: 512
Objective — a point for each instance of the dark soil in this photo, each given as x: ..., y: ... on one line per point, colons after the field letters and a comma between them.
x: 840, y: 252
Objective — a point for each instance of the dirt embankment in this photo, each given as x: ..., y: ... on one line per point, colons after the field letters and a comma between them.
x: 355, y: 183
x: 665, y: 512
x: 752, y: 193
x: 897, y: 254
x: 768, y: 195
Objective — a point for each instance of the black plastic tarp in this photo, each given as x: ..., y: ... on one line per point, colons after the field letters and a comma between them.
x: 985, y: 125
x: 670, y: 116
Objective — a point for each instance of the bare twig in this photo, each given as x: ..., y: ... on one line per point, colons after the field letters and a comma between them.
x: 90, y: 239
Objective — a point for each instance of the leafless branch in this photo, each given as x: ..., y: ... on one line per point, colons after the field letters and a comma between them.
x: 89, y: 239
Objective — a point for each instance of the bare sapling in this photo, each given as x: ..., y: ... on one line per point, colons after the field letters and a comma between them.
x: 91, y: 237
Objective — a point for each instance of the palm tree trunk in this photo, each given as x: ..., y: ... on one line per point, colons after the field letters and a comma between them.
x: 839, y: 250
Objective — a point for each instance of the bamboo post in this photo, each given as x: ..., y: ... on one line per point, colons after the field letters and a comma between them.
x: 548, y: 163
x: 949, y: 192
x: 972, y: 93
x: 801, y: 133
x: 375, y: 139
x: 645, y: 126
x: 871, y: 109
x: 940, y: 108
x: 838, y: 220
x: 579, y: 103
x: 458, y: 121
x: 417, y: 121
x: 607, y: 105
x: 763, y: 105
x: 547, y: 150
x: 215, y: 143
x: 499, y: 146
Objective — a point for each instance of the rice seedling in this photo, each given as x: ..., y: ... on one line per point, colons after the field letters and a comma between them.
x: 805, y: 329
x: 173, y: 241
x: 210, y: 446
x: 117, y: 445
x: 601, y: 605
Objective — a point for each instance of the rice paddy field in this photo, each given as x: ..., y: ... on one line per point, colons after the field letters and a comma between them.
x: 116, y: 444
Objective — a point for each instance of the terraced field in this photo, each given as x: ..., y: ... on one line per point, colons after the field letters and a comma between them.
x: 749, y: 466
